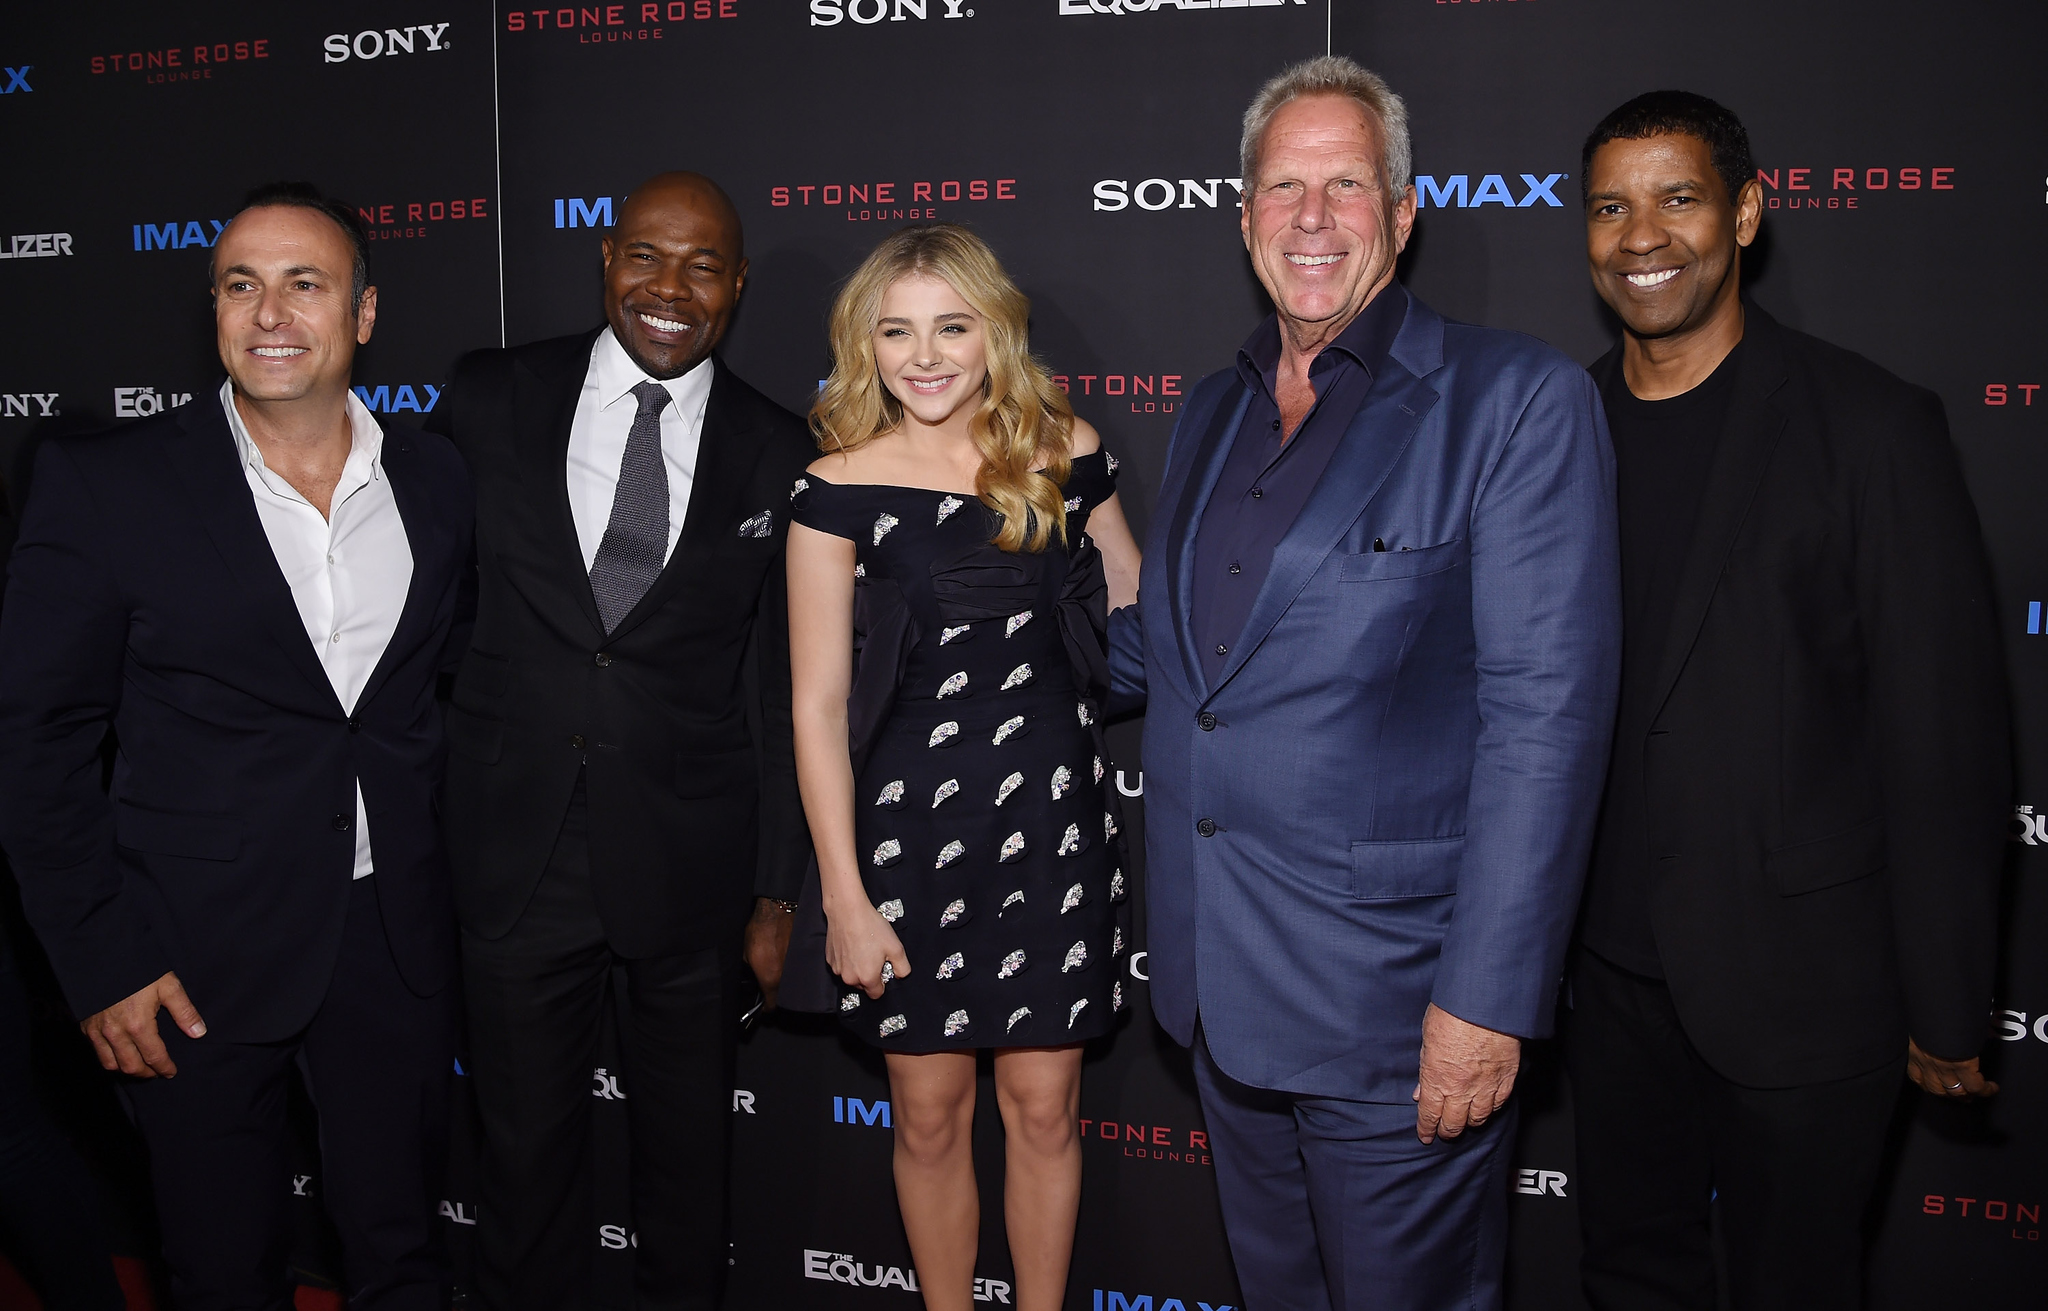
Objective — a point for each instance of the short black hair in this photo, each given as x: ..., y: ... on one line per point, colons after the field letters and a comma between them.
x: 1683, y: 113
x: 304, y: 195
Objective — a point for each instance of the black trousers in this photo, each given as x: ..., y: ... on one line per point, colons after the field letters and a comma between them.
x: 536, y: 1000
x: 49, y: 1206
x: 1663, y: 1139
x: 378, y: 1062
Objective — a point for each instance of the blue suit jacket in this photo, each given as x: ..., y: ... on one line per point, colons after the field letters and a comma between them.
x: 1400, y: 764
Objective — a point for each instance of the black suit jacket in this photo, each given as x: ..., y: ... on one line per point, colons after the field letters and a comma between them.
x: 679, y: 719
x: 143, y: 594
x: 1821, y: 761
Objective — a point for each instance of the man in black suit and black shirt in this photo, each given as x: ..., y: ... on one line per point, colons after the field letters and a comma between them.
x: 1793, y: 891
x: 622, y: 786
x: 256, y: 593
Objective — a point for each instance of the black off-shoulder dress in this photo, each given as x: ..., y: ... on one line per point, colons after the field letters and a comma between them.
x: 985, y: 831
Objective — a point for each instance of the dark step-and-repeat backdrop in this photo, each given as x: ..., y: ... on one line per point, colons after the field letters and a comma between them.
x: 1094, y: 143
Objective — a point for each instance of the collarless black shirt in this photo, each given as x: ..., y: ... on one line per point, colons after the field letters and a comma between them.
x: 1663, y: 452
x: 1268, y: 476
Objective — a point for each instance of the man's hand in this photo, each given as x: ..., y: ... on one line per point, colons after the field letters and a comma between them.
x: 1467, y: 1074
x: 125, y: 1035
x: 768, y: 946
x: 1958, y: 1081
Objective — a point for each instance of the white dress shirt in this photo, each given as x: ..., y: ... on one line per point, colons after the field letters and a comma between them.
x: 349, y: 572
x: 597, y: 439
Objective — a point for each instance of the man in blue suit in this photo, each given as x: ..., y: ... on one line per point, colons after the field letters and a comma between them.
x: 1378, y: 637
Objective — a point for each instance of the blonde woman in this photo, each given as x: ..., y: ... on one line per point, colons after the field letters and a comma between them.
x: 971, y: 875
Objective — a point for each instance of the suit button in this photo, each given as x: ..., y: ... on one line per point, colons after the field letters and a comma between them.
x: 1206, y: 827
x: 355, y: 723
x: 1206, y: 722
x: 603, y: 661
x: 576, y: 740
x: 341, y: 823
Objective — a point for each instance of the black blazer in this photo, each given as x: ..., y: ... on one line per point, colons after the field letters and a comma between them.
x: 143, y: 592
x: 1822, y: 760
x: 679, y: 720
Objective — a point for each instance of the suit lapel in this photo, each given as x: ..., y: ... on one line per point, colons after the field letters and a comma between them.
x: 1198, y: 479
x: 219, y: 494
x: 726, y: 458
x: 544, y: 407
x: 1748, y: 440
x: 426, y: 536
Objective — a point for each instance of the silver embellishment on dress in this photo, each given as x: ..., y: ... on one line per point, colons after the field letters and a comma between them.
x: 1098, y: 769
x: 1010, y: 725
x: 851, y: 1001
x: 1116, y: 886
x: 860, y: 571
x: 760, y: 525
x: 1062, y: 779
x: 1116, y: 995
x: 945, y: 732
x: 1016, y: 622
x: 1074, y: 1011
x: 1012, y: 963
x: 888, y: 971
x: 1111, y: 461
x: 1087, y: 715
x: 801, y: 484
x: 1009, y: 785
x: 1014, y: 899
x: 952, y: 913
x: 1073, y: 505
x: 1109, y: 828
x: 956, y: 1024
x: 1116, y: 942
x: 1075, y: 896
x: 947, y: 506
x: 888, y: 851
x: 1070, y: 841
x: 948, y: 634
x: 945, y: 789
x: 949, y: 853
x: 891, y: 793
x: 891, y: 910
x: 1077, y: 958
x: 883, y: 523
x: 952, y: 965
x: 896, y: 1024
x: 1021, y: 1013
x: 1013, y: 847
x: 953, y: 684
x: 1018, y: 677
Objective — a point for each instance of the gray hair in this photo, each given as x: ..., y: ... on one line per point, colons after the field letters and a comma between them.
x: 1332, y: 75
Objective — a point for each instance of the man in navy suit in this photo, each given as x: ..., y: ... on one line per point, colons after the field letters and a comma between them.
x: 256, y: 594
x: 1378, y: 636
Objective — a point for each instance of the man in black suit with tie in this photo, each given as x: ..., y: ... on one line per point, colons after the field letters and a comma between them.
x: 622, y: 788
x: 1793, y: 895
x: 255, y: 593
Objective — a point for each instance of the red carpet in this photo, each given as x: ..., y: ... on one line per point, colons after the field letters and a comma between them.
x: 16, y: 1295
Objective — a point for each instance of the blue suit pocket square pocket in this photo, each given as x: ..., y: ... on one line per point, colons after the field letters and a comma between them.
x: 1372, y: 566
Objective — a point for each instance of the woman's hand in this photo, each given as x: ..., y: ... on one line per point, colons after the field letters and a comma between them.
x: 858, y: 943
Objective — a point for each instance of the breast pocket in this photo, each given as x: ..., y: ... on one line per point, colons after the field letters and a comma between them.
x: 1417, y: 562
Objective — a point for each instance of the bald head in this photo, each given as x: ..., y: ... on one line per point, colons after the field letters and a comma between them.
x: 674, y: 264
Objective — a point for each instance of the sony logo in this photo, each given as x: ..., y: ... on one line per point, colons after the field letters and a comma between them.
x: 391, y: 41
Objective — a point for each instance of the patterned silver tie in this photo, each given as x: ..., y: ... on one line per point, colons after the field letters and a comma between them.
x: 635, y: 543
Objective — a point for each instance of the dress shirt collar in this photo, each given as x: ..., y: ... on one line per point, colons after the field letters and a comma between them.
x: 365, y: 446
x: 616, y: 375
x: 1367, y: 340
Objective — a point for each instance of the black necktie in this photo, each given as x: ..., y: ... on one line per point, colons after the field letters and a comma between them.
x: 635, y: 542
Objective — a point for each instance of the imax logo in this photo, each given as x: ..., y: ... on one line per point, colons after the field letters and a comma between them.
x: 386, y: 401
x: 390, y: 41
x: 1078, y: 7
x: 1155, y: 194
x: 17, y: 79
x: 1457, y: 190
x: 830, y: 13
x: 1540, y: 1183
x: 2033, y: 619
x: 573, y: 212
x: 173, y: 236
x: 1108, y: 1299
x: 17, y: 405
x: 141, y: 402
x: 852, y: 1110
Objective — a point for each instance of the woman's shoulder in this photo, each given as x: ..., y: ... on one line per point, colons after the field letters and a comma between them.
x: 1083, y: 439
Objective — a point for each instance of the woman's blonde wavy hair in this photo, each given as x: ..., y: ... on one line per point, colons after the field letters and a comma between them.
x: 1023, y: 417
